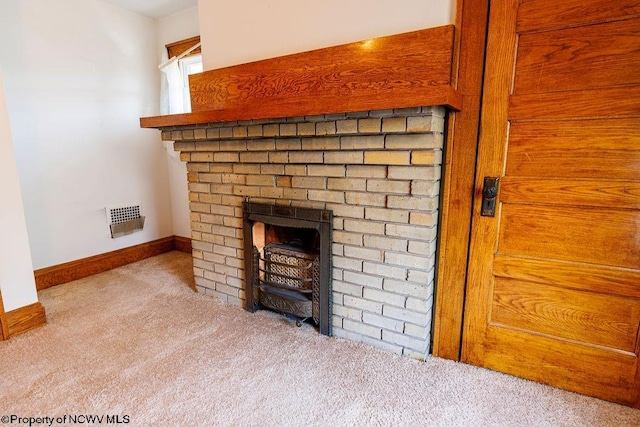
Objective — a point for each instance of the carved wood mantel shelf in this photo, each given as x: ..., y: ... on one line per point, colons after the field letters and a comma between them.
x: 400, y: 71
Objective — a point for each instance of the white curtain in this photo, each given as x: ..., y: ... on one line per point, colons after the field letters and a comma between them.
x: 171, y: 95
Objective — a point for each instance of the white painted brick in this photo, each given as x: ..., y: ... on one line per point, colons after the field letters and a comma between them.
x: 347, y: 263
x: 412, y: 141
x: 347, y: 288
x: 420, y: 203
x: 420, y: 276
x: 388, y: 243
x: 420, y: 332
x: 347, y: 312
x: 415, y: 344
x: 414, y: 172
x: 326, y: 196
x: 384, y: 297
x: 347, y: 238
x: 356, y: 212
x: 428, y: 219
x: 419, y: 304
x: 203, y: 246
x: 217, y: 258
x: 425, y: 188
x: 214, y: 277
x: 361, y: 328
x: 366, y: 199
x: 420, y: 356
x: 423, y: 248
x: 363, y: 226
x: 223, y: 250
x: 337, y: 250
x: 362, y: 279
x: 383, y: 270
x: 411, y: 231
x: 352, y: 336
x: 337, y: 298
x: 406, y: 315
x: 382, y: 322
x: 409, y: 261
x: 363, y: 253
x: 226, y: 270
x: 388, y: 215
x: 388, y: 186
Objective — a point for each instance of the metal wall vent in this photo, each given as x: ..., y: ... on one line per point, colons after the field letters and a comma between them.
x: 124, y: 220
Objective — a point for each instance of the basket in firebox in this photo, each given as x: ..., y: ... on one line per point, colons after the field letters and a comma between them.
x: 290, y: 280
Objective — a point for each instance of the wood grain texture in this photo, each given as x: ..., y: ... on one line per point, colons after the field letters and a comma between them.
x: 176, y: 48
x: 458, y: 179
x: 621, y: 194
x: 405, y: 70
x: 601, y: 373
x: 554, y: 278
x: 579, y: 58
x: 621, y: 102
x: 585, y: 317
x: 600, y: 279
x: 543, y: 15
x: 182, y: 244
x: 26, y: 318
x: 570, y: 234
x: 594, y: 149
x: 74, y: 270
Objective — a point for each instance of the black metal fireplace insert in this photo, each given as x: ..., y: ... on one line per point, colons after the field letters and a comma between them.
x: 291, y: 271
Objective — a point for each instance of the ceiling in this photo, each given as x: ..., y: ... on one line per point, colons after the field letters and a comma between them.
x: 155, y: 8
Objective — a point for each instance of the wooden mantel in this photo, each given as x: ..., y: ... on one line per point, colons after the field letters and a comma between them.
x: 405, y: 70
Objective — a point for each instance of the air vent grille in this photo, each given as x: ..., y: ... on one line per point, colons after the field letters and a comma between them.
x: 124, y: 220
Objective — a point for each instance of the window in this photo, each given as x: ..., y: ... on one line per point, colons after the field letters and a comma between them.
x: 189, y: 65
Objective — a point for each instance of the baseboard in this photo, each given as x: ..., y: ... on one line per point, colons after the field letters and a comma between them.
x: 183, y: 244
x: 25, y: 318
x: 74, y: 270
x: 4, y: 329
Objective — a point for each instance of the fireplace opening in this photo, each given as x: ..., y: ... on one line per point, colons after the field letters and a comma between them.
x: 288, y: 262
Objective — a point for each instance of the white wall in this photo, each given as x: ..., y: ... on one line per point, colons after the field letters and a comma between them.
x: 78, y: 75
x: 16, y: 270
x: 179, y: 26
x: 239, y: 31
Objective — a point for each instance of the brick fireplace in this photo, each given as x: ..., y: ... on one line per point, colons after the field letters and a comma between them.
x: 377, y: 171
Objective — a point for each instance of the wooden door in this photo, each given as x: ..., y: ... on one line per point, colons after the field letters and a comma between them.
x: 553, y: 293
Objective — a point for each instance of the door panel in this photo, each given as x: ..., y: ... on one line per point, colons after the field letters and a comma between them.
x: 553, y: 290
x: 581, y: 234
x: 575, y: 148
x: 550, y: 61
x: 584, y: 317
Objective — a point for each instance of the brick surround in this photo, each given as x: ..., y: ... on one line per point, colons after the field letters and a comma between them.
x: 378, y: 171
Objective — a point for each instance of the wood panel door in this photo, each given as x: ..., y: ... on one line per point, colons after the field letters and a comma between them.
x: 553, y: 293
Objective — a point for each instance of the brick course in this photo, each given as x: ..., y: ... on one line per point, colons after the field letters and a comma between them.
x: 379, y: 173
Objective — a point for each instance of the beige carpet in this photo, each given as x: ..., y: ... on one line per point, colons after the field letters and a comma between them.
x: 137, y: 342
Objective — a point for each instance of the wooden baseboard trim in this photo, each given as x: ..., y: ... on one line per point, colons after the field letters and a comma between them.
x: 4, y: 328
x: 74, y: 270
x: 183, y: 244
x: 25, y: 318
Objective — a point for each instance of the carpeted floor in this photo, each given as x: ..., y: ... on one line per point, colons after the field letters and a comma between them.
x: 138, y: 343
